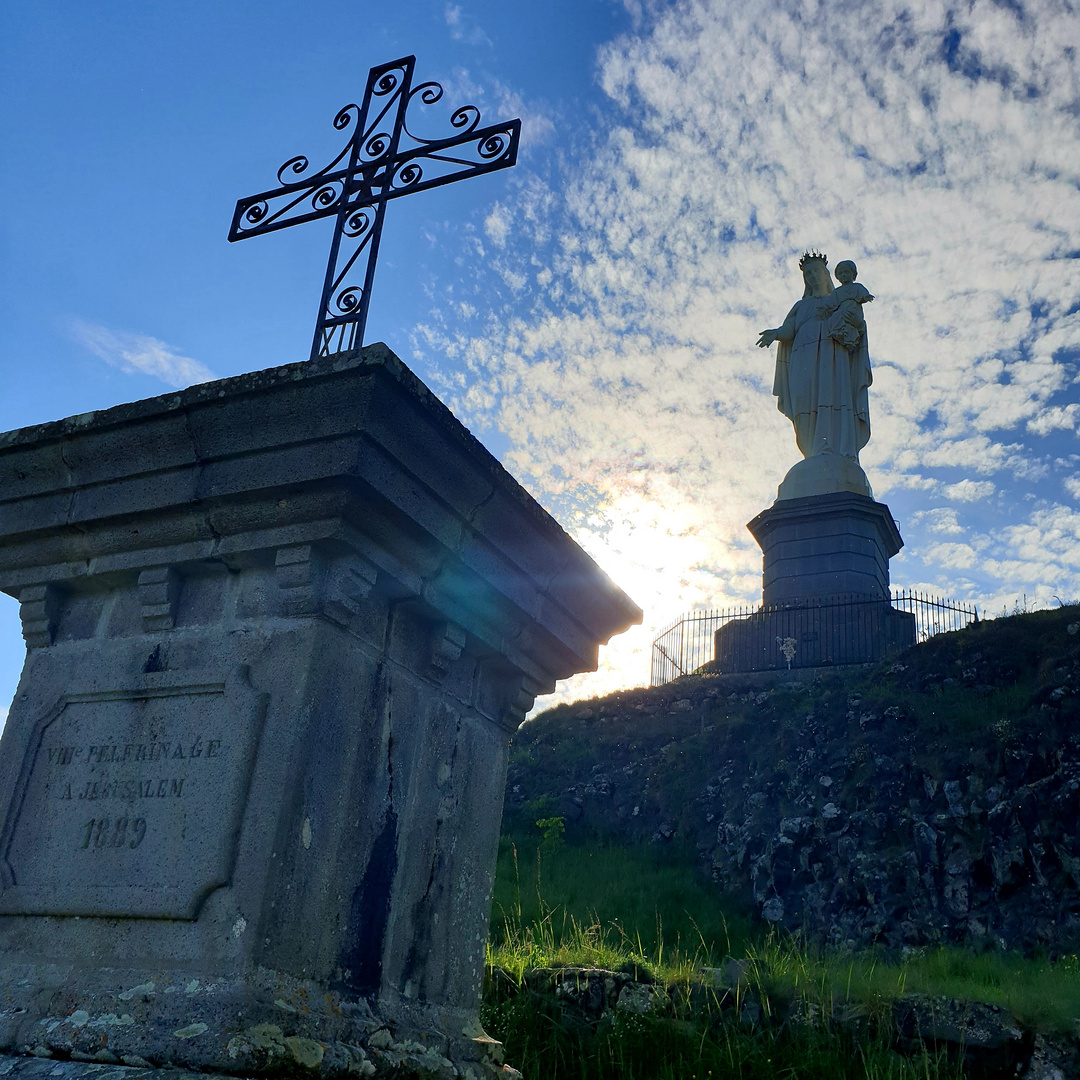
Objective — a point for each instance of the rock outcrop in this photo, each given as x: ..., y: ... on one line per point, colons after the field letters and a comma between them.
x: 976, y: 1040
x: 932, y: 798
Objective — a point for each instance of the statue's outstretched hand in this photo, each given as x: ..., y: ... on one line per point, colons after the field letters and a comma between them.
x: 766, y: 339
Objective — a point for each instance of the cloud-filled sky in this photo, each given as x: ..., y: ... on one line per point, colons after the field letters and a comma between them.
x: 592, y: 313
x: 935, y: 144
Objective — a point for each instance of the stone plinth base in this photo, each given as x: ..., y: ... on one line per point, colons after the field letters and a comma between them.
x: 825, y: 586
x: 131, y: 1025
x: 403, y: 1062
x: 825, y: 546
x: 842, y: 631
x: 38, y: 1068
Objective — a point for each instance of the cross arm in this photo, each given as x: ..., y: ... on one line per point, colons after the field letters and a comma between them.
x: 445, y: 160
x: 381, y: 160
x: 282, y: 206
x: 419, y: 168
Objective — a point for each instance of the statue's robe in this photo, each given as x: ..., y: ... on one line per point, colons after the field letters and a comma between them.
x: 821, y: 386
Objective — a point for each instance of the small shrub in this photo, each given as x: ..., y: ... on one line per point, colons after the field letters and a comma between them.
x: 552, y: 830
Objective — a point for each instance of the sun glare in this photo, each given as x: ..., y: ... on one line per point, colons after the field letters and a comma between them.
x: 665, y: 556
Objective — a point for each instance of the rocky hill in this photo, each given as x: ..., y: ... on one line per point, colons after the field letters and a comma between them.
x: 931, y: 798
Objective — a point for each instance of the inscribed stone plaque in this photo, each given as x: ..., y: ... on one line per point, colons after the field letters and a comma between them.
x: 130, y: 801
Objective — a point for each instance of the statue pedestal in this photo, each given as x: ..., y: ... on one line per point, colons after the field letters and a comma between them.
x: 825, y: 546
x: 825, y: 587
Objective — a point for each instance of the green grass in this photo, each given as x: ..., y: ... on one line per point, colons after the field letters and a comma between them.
x: 700, y: 1039
x: 542, y: 1043
x: 627, y: 898
x: 965, y: 718
x: 961, y: 700
x: 1043, y: 995
x: 634, y: 910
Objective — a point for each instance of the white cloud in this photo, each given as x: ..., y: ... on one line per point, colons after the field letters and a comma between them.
x: 953, y: 556
x: 463, y: 27
x: 140, y: 353
x: 1054, y: 418
x: 497, y: 225
x: 1047, y: 542
x: 497, y: 102
x: 1025, y: 467
x: 969, y: 490
x: 942, y: 519
x: 936, y: 144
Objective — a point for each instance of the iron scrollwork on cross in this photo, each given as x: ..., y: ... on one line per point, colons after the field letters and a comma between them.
x: 382, y: 160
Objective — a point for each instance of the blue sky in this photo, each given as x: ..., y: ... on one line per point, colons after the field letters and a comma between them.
x: 591, y: 314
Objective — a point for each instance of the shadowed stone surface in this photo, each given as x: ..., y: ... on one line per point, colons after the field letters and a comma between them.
x: 825, y: 545
x: 34, y: 1068
x: 280, y: 629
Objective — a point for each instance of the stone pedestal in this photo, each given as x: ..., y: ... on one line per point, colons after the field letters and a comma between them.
x: 825, y: 587
x: 280, y: 630
x: 825, y: 545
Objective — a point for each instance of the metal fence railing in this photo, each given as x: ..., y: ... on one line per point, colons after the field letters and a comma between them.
x: 835, y: 631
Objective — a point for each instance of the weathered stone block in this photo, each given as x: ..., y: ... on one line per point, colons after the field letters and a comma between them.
x: 280, y: 629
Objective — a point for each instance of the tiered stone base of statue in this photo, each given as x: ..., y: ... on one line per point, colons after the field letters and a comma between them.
x: 280, y: 631
x: 825, y: 586
x: 825, y: 545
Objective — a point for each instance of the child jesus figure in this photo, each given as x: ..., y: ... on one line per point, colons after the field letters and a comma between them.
x: 846, y: 300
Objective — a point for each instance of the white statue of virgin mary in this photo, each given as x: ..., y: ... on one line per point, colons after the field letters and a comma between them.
x: 821, y: 380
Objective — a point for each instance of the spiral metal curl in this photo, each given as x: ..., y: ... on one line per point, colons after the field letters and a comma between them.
x: 300, y: 164
x: 409, y: 175
x: 344, y: 117
x: 387, y: 83
x: 348, y: 300
x: 377, y: 145
x: 297, y: 165
x: 493, y: 146
x: 464, y: 119
x: 327, y: 195
x: 429, y: 92
x: 256, y: 212
x: 358, y: 222
x: 467, y: 117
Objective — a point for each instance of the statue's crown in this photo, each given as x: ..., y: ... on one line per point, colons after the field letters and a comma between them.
x: 808, y: 255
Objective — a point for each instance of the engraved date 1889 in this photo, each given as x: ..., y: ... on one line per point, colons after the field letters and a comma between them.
x: 101, y: 833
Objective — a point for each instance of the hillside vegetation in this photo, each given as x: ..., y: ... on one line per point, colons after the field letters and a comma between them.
x: 859, y: 873
x: 931, y: 799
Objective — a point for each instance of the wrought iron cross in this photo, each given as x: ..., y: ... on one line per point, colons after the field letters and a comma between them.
x: 382, y: 160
